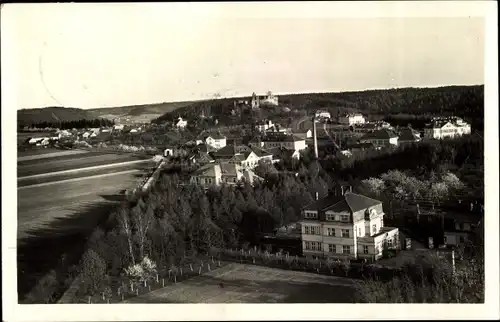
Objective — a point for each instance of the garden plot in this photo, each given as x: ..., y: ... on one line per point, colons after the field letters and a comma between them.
x: 240, y: 283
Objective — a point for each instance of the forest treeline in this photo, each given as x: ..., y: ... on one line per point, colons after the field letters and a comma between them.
x: 400, y: 105
x: 66, y: 125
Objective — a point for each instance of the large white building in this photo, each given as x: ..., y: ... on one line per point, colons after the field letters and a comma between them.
x: 346, y: 226
x: 351, y: 119
x: 446, y: 127
x: 291, y: 142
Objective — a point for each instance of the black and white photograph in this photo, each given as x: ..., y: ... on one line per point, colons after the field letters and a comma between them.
x: 249, y: 153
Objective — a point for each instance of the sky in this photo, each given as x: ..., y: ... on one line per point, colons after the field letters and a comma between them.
x: 102, y: 55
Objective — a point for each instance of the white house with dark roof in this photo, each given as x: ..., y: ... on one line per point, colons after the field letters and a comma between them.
x: 291, y: 142
x: 446, y: 127
x: 352, y: 118
x: 216, y: 141
x: 381, y: 138
x: 347, y: 225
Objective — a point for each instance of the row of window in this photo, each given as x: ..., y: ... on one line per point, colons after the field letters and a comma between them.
x: 316, y: 230
x: 332, y: 248
x: 329, y: 217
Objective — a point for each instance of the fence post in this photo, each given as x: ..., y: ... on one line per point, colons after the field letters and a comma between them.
x: 90, y: 301
x: 169, y: 272
x: 219, y: 263
x: 122, y: 297
x: 157, y: 278
x: 208, y: 267
x: 191, y: 267
x: 149, y: 288
x: 199, y: 271
x: 181, y: 271
x: 131, y: 286
x: 175, y: 278
x: 137, y: 291
x: 162, y: 282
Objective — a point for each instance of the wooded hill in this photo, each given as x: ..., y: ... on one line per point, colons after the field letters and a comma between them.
x: 403, y: 103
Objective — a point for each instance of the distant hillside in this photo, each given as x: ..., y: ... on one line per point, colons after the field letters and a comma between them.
x: 465, y: 101
x: 52, y: 115
x: 157, y: 109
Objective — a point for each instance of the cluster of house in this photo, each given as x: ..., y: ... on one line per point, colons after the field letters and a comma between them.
x: 221, y: 162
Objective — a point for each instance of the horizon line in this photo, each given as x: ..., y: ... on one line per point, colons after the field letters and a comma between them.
x: 275, y: 93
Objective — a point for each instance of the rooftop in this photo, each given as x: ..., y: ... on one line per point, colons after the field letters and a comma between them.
x: 350, y: 202
x: 381, y: 134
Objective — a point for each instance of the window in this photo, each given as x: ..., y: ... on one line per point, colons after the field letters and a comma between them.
x: 330, y: 217
x: 389, y: 242
x: 345, y: 233
x: 234, y: 179
x: 374, y: 229
x: 315, y: 246
x: 359, y: 232
x: 306, y: 230
x: 332, y: 248
x: 331, y: 232
x: 307, y: 245
x: 315, y: 230
x: 462, y: 239
x: 344, y: 218
x: 346, y: 249
x: 445, y: 240
x: 365, y: 249
x: 209, y: 180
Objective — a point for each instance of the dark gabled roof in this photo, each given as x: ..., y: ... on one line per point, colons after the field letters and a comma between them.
x: 260, y: 152
x: 381, y: 134
x: 217, y: 136
x: 281, y: 138
x: 227, y: 151
x: 350, y: 202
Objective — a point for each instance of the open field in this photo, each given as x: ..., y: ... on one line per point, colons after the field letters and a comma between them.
x: 254, y: 284
x: 57, y: 212
x: 140, y: 168
x: 63, y: 163
x: 38, y: 206
x: 25, y: 156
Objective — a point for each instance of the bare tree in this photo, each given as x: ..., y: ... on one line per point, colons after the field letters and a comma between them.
x: 124, y: 222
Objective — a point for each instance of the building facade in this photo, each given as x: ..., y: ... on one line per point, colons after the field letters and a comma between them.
x: 346, y: 226
x: 381, y: 138
x: 291, y: 142
x: 351, y: 119
x: 216, y: 141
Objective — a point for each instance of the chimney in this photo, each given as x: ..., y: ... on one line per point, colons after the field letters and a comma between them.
x: 317, y: 195
x: 315, y: 138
